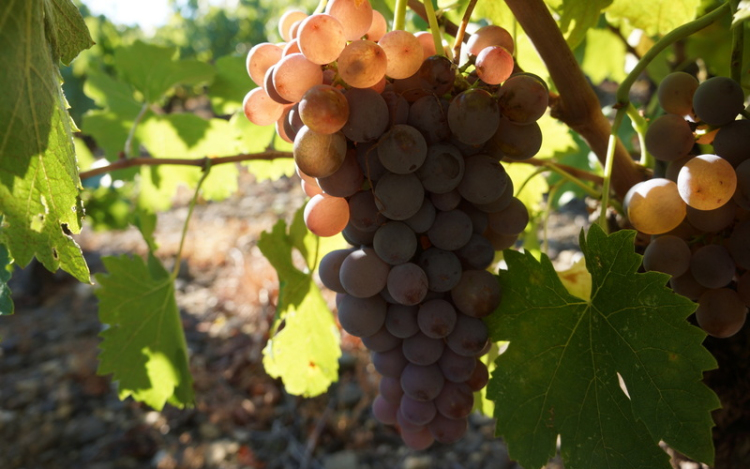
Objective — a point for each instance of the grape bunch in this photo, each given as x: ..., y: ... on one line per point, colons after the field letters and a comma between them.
x: 401, y: 153
x: 699, y: 211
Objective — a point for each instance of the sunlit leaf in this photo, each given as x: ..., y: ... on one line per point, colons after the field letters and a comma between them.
x: 143, y: 346
x: 154, y: 70
x: 39, y: 181
x: 230, y: 86
x: 655, y: 17
x: 304, y: 352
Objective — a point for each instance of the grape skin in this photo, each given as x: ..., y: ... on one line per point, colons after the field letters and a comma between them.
x: 319, y: 155
x: 669, y: 138
x: 655, y: 206
x: 721, y: 312
x: 718, y: 100
x: 675, y: 93
x: 706, y: 182
x: 668, y: 254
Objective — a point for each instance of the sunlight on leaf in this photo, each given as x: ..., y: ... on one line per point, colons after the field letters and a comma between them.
x: 304, y: 352
x: 39, y: 181
x: 144, y: 345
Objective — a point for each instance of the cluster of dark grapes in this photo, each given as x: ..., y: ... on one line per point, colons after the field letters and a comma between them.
x: 699, y: 211
x: 402, y: 154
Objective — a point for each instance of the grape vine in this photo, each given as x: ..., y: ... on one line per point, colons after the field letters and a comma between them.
x: 426, y: 157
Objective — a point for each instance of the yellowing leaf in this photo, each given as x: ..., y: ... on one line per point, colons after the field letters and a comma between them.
x: 143, y: 345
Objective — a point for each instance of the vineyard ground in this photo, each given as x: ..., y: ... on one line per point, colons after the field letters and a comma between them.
x: 55, y: 412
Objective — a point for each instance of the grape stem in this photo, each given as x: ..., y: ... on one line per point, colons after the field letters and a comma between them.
x: 399, y: 14
x: 687, y: 29
x: 459, y: 38
x: 738, y: 40
x: 434, y: 27
x: 640, y: 125
x: 450, y: 28
x: 608, y: 166
x: 178, y: 258
x: 577, y: 105
x: 131, y: 132
x: 199, y: 162
x: 321, y: 7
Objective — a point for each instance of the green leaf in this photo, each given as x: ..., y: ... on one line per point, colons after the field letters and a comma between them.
x: 154, y: 70
x: 111, y: 93
x: 230, y: 86
x: 143, y: 345
x: 304, y: 353
x: 68, y: 32
x: 186, y: 136
x: 6, y: 302
x: 577, y: 17
x: 604, y: 56
x: 655, y: 17
x: 559, y: 375
x: 39, y: 181
x: 110, y: 130
x: 256, y: 139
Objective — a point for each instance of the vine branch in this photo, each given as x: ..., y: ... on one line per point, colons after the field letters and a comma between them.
x: 198, y: 162
x: 577, y: 105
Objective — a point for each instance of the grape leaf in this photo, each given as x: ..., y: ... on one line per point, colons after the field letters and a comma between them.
x: 559, y: 375
x: 39, y: 182
x: 6, y: 302
x: 655, y: 17
x: 154, y: 70
x: 111, y: 93
x: 68, y: 32
x: 604, y: 56
x: 230, y: 86
x: 576, y: 17
x: 304, y: 352
x: 185, y: 136
x: 143, y: 345
x: 256, y: 139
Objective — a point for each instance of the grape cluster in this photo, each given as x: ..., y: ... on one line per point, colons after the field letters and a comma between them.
x: 700, y: 208
x: 401, y: 153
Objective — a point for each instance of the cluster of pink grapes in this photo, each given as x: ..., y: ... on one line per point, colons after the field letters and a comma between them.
x: 699, y: 211
x: 401, y: 153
